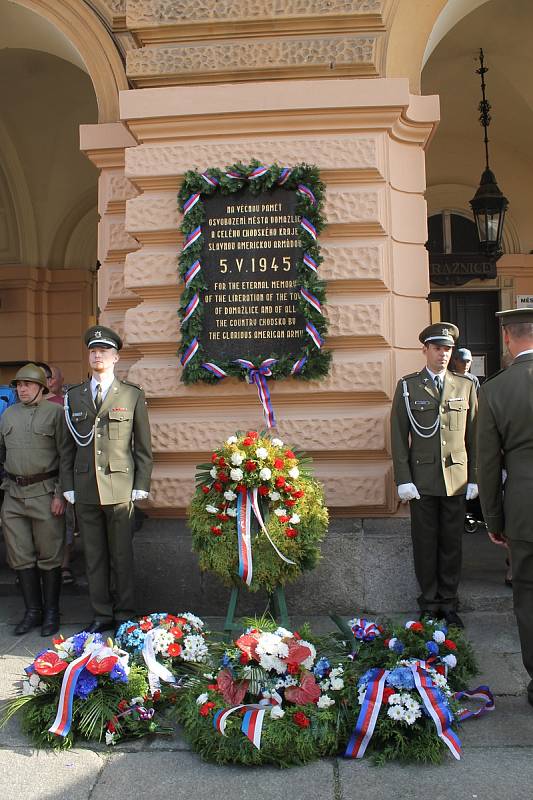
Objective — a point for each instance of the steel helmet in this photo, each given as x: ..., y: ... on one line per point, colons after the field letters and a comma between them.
x: 31, y: 372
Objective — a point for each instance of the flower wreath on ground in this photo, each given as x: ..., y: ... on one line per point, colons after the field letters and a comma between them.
x: 404, y: 690
x: 84, y: 688
x: 254, y: 477
x: 169, y: 645
x: 271, y: 701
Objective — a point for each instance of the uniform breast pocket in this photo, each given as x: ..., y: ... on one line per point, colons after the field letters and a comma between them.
x: 44, y: 433
x: 424, y: 411
x: 119, y: 424
x: 457, y: 413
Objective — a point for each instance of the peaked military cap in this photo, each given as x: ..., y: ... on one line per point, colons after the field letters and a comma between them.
x: 100, y: 336
x: 524, y: 314
x: 440, y: 333
x: 31, y: 372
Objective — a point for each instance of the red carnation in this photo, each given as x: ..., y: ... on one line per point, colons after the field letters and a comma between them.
x: 280, y: 481
x: 223, y: 476
x: 243, y: 658
x: 247, y: 442
x: 205, y: 489
x: 293, y: 669
x: 213, y: 687
x: 289, y: 454
x: 290, y: 503
x: 301, y: 719
x: 287, y: 488
x: 284, y: 518
x: 449, y: 644
x: 146, y: 625
x: 298, y: 493
x: 252, y: 434
x: 110, y: 727
x: 122, y: 706
x: 292, y: 533
x: 214, y: 458
x: 206, y: 708
x: 176, y: 632
x: 278, y: 463
x: 222, y: 517
x: 263, y: 491
x: 240, y: 487
x: 221, y: 461
x: 386, y: 642
x: 417, y: 627
x: 216, y: 530
x: 218, y: 486
x: 174, y: 650
x: 250, y: 466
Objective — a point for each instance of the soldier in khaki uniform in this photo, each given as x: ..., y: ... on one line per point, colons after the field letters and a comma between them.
x: 35, y: 449
x: 505, y: 440
x: 433, y: 449
x: 108, y: 421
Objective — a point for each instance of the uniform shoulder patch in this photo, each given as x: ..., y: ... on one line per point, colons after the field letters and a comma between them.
x: 74, y: 386
x: 129, y: 383
x: 411, y: 375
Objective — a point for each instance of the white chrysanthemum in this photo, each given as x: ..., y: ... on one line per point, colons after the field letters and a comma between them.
x: 295, y: 519
x: 231, y: 512
x: 411, y: 705
x: 394, y: 699
x: 110, y: 737
x: 237, y: 458
x: 336, y: 671
x: 231, y: 440
x: 202, y: 698
x: 195, y: 621
x: 410, y: 716
x: 310, y: 660
x: 274, y: 496
x: 161, y: 639
x: 213, y: 472
x: 337, y: 684
x: 294, y: 472
x: 280, y: 512
x: 450, y: 660
x: 265, y: 474
x: 229, y: 495
x: 211, y: 509
x: 439, y: 637
x: 277, y: 442
x: 194, y: 648
x: 271, y: 649
x: 396, y: 712
x: 325, y: 684
x: 440, y: 681
x: 276, y: 712
x: 261, y: 452
x: 325, y: 701
x: 236, y: 474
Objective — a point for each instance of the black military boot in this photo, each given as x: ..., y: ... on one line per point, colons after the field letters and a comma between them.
x: 30, y: 586
x: 51, y: 579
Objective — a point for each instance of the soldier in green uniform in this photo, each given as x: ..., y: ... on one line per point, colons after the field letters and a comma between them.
x: 433, y: 449
x: 108, y: 421
x: 505, y: 441
x: 35, y: 450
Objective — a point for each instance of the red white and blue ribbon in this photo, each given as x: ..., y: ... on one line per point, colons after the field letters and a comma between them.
x: 257, y: 172
x: 234, y: 175
x: 61, y: 724
x: 308, y: 227
x: 252, y: 724
x: 364, y: 629
x: 314, y: 334
x: 156, y: 672
x: 298, y: 366
x: 192, y: 272
x: 431, y: 697
x: 190, y: 352
x: 210, y: 366
x: 310, y: 262
x: 190, y: 203
x: 258, y: 375
x: 244, y: 536
x: 306, y: 191
x: 366, y: 721
x: 481, y: 693
x: 313, y: 301
x: 190, y: 309
x: 210, y: 179
x: 254, y: 499
x: 285, y: 175
x: 192, y: 237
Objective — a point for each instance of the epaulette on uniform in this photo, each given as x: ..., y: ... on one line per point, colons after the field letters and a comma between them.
x: 74, y: 386
x: 411, y: 375
x: 129, y: 383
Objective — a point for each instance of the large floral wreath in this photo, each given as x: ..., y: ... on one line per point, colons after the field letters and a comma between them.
x: 253, y: 477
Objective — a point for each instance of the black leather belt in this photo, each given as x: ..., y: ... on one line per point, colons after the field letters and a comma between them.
x: 28, y: 480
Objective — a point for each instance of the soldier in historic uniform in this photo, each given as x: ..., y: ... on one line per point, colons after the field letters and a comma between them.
x: 505, y: 441
x: 108, y: 420
x: 35, y: 450
x: 433, y: 449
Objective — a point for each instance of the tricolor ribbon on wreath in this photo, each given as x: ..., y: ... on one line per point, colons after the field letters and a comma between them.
x: 156, y: 672
x: 248, y: 501
x: 431, y: 697
x: 252, y: 723
x: 258, y: 375
x: 96, y: 658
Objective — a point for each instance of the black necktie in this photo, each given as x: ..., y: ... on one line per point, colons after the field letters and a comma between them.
x: 438, y: 383
x: 98, y: 397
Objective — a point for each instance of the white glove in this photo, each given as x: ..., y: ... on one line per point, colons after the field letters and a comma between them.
x: 139, y: 494
x: 69, y: 497
x: 471, y: 491
x: 408, y: 491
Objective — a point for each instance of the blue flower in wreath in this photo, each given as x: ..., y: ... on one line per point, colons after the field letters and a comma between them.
x: 79, y: 640
x: 369, y: 676
x: 432, y: 648
x: 118, y: 674
x: 396, y: 646
x: 322, y: 668
x: 400, y: 678
x: 226, y: 661
x: 87, y: 683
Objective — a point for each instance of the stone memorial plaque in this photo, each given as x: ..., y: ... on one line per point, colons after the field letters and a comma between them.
x: 249, y: 257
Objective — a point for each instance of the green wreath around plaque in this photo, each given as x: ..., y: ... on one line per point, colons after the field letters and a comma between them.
x: 257, y: 516
x: 309, y: 294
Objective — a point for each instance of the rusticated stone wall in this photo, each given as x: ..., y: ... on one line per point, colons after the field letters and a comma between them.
x: 367, y: 137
